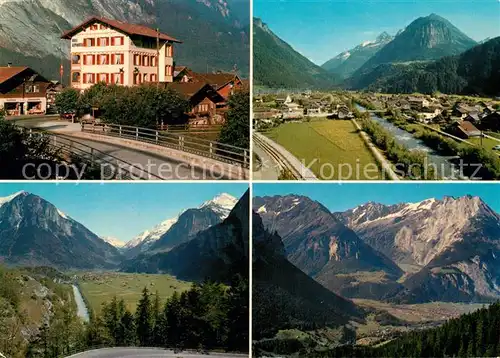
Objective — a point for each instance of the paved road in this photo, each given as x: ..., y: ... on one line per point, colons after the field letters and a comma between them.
x: 148, y: 353
x: 160, y: 167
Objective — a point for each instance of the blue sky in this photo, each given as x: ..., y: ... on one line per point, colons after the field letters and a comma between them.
x: 123, y: 210
x: 321, y: 29
x: 341, y: 197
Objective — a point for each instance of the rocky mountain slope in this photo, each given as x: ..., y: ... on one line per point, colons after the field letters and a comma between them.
x: 426, y: 38
x: 182, y: 228
x: 217, y: 253
x: 278, y: 65
x: 321, y: 246
x: 33, y: 232
x: 348, y: 62
x: 33, y: 28
x: 286, y: 298
x: 450, y: 248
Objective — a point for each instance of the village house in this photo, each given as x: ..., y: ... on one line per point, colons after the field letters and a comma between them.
x: 53, y: 90
x: 491, y: 122
x: 22, y: 91
x: 224, y: 82
x: 465, y: 130
x: 207, y: 105
x: 418, y: 103
x: 115, y: 52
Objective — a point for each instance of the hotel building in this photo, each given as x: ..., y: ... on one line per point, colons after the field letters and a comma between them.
x: 114, y: 52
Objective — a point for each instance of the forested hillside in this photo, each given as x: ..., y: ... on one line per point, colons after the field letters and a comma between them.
x: 472, y: 335
x: 476, y: 71
x: 278, y: 65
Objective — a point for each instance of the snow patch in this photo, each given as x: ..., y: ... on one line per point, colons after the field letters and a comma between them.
x: 9, y: 198
x: 262, y: 209
x: 63, y: 215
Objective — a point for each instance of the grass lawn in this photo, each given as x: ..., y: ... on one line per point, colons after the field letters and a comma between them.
x: 98, y: 288
x: 487, y: 143
x: 334, y: 143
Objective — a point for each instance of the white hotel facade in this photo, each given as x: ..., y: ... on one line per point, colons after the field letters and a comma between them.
x: 119, y: 53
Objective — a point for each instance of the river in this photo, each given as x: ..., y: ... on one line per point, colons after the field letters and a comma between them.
x: 446, y: 168
x: 83, y: 312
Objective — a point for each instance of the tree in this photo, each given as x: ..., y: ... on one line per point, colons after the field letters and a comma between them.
x: 67, y: 100
x: 238, y: 321
x: 144, y: 320
x: 157, y: 321
x: 236, y: 130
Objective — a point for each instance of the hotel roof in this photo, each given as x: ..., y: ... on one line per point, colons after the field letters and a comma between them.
x: 129, y: 29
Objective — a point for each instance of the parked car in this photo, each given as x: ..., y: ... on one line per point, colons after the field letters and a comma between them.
x: 497, y: 147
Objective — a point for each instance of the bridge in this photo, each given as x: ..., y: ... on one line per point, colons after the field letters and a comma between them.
x: 276, y: 158
x: 144, y: 153
x: 150, y: 353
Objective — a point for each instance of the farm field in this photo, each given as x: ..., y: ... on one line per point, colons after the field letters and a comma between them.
x: 98, y: 288
x: 336, y: 145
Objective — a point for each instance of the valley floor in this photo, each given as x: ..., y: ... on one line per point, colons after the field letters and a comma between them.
x: 334, y: 146
x: 99, y: 288
x: 380, y: 327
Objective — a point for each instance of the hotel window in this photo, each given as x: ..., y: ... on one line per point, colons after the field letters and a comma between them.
x: 32, y: 89
x: 103, y: 77
x: 145, y: 78
x: 117, y: 41
x: 169, y: 51
x: 145, y: 60
x: 75, y: 59
x: 89, y: 78
x: 102, y: 27
x: 89, y: 42
x: 94, y: 27
x: 102, y: 41
x: 88, y: 60
x: 137, y: 60
x: 75, y: 77
x: 117, y: 59
x: 153, y: 77
x: 168, y: 70
x: 103, y: 59
x: 137, y: 78
x: 153, y: 61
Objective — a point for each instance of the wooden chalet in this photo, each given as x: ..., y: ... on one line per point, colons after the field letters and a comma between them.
x: 207, y: 105
x: 23, y: 91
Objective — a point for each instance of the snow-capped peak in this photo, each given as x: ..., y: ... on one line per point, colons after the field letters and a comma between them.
x: 222, y: 204
x: 9, y: 198
x: 148, y: 237
x: 366, y: 43
x: 113, y: 241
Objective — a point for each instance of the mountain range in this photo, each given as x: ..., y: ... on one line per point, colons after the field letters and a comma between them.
x: 278, y: 65
x: 30, y: 30
x: 427, y: 38
x: 284, y: 297
x: 33, y: 232
x: 474, y: 72
x: 175, y: 231
x: 446, y: 250
x: 216, y: 253
x: 430, y: 54
x: 348, y: 62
